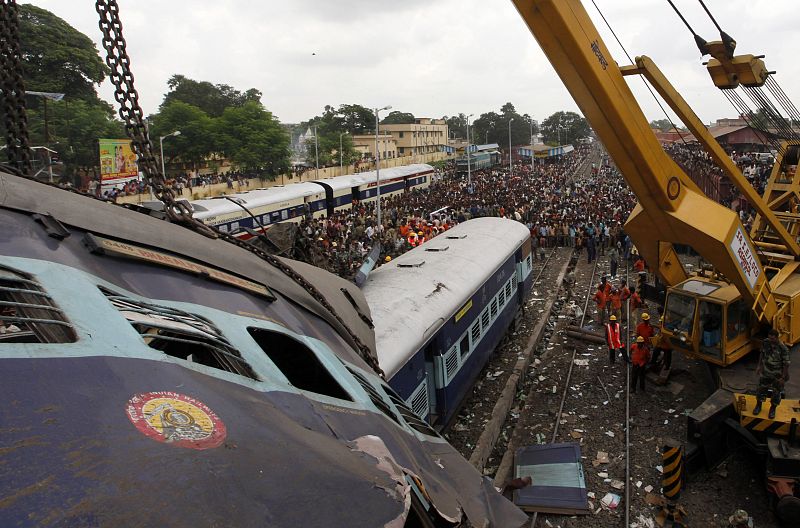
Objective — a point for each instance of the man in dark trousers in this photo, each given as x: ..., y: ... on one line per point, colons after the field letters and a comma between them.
x: 640, y: 357
x: 772, y: 371
x: 613, y: 338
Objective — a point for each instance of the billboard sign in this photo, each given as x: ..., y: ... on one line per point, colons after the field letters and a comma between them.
x: 117, y: 160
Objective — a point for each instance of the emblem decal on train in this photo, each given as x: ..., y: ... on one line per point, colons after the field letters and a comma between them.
x: 176, y: 419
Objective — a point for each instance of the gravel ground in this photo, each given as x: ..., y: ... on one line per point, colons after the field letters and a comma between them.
x: 596, y: 421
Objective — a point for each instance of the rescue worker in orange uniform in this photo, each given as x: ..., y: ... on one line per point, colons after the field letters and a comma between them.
x: 640, y: 356
x: 413, y: 239
x: 600, y: 300
x: 661, y: 343
x: 645, y: 329
x: 421, y: 238
x: 615, y: 301
x: 613, y: 339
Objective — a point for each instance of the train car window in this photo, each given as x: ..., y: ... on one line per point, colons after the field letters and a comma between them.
x: 451, y: 364
x: 413, y: 421
x: 476, y: 331
x: 508, y: 289
x: 514, y: 282
x: 485, y: 318
x: 464, y: 347
x: 28, y: 314
x: 181, y: 334
x: 494, y: 307
x: 502, y: 297
x: 375, y: 396
x: 298, y: 363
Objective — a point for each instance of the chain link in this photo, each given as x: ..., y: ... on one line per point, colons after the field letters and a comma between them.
x: 179, y: 210
x: 13, y: 89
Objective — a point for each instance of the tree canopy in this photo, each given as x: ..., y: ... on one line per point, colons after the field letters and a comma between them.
x: 57, y: 57
x: 396, y: 117
x: 493, y: 127
x: 213, y: 99
x: 565, y: 128
x: 346, y: 121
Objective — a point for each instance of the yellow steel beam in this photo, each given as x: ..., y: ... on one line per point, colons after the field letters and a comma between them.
x: 645, y: 66
x: 672, y: 211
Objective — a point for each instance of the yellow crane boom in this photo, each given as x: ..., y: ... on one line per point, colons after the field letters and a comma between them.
x: 671, y: 208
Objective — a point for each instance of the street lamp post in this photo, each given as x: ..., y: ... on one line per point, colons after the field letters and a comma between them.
x: 532, y: 147
x: 316, y: 154
x: 469, y: 170
x: 161, y: 143
x: 510, y: 166
x: 378, y: 165
x: 341, y: 167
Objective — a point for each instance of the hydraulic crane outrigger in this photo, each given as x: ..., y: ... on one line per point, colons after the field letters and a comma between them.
x: 671, y: 208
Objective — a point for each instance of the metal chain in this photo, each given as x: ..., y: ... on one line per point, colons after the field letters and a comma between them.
x: 131, y: 112
x: 13, y: 89
x: 179, y: 210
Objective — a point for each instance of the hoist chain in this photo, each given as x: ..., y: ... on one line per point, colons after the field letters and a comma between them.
x: 178, y: 210
x: 130, y: 111
x: 13, y: 89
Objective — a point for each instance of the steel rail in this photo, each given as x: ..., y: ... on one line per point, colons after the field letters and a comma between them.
x: 569, y: 372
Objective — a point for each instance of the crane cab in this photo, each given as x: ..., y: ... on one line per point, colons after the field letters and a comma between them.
x: 708, y: 319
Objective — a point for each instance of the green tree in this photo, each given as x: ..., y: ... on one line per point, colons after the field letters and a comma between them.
x: 74, y: 128
x: 213, y: 99
x: 567, y: 127
x: 457, y: 125
x: 253, y: 139
x: 58, y: 58
x: 492, y: 127
x: 396, y: 117
x: 197, y: 139
x: 663, y: 125
x: 356, y: 119
x: 347, y: 120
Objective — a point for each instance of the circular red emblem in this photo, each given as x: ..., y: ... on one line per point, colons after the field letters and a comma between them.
x: 176, y: 419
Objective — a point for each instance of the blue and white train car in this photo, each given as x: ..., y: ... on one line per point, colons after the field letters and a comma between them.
x: 342, y: 190
x: 441, y: 309
x: 236, y: 213
x: 269, y: 206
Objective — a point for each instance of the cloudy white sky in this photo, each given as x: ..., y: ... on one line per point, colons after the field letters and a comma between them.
x: 427, y: 57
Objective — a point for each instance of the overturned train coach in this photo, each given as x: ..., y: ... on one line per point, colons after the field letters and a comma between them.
x: 244, y: 212
x: 156, y: 377
x: 442, y: 308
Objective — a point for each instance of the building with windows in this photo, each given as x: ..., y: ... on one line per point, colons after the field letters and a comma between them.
x: 423, y: 136
x: 365, y: 144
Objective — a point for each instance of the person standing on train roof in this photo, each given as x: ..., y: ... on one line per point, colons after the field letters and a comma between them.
x: 640, y: 356
x: 613, y: 339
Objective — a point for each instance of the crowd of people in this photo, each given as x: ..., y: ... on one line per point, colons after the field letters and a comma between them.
x: 576, y: 200
x: 696, y: 162
x: 181, y: 184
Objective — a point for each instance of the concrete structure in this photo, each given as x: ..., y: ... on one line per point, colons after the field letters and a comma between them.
x: 365, y: 144
x: 424, y: 136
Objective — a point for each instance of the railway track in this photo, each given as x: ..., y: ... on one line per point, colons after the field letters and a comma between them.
x: 579, y: 389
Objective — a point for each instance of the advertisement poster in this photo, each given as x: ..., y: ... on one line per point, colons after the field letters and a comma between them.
x: 117, y: 160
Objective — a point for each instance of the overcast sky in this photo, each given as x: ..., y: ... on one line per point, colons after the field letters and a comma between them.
x: 427, y: 57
